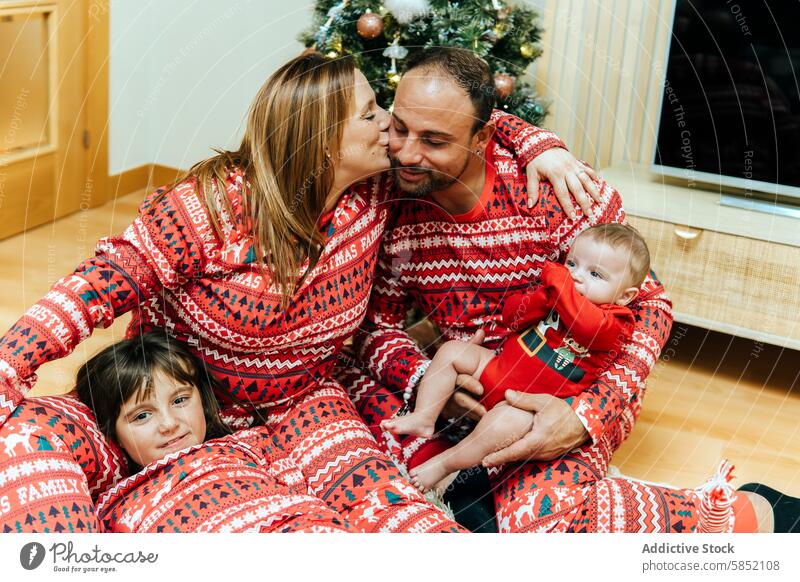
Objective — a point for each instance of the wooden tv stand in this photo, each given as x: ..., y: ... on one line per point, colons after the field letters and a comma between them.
x: 726, y: 269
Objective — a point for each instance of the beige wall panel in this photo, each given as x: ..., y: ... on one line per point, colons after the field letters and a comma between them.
x: 602, y: 66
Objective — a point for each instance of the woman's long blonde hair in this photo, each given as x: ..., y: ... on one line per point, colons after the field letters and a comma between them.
x: 293, y: 133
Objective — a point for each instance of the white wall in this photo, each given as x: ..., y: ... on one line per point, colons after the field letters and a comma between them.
x: 183, y: 72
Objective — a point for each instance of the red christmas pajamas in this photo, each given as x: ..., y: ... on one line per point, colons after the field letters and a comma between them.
x: 561, y: 356
x: 314, y: 467
x: 459, y: 270
x: 175, y: 272
x: 225, y: 485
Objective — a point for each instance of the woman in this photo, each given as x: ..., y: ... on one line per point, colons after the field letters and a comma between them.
x: 262, y: 261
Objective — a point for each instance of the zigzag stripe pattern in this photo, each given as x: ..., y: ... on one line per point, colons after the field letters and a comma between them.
x: 474, y: 279
x: 317, y: 481
x: 431, y: 229
x: 494, y: 264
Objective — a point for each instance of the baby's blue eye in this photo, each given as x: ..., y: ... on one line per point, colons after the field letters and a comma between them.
x: 141, y: 416
x: 181, y: 399
x: 596, y: 274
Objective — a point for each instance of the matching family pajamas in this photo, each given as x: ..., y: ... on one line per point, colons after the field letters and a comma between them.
x: 225, y: 485
x: 315, y: 465
x: 459, y: 270
x: 174, y: 272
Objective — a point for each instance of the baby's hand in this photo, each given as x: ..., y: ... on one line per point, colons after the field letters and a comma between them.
x: 555, y: 279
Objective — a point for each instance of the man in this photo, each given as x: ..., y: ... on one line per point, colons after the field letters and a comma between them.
x: 464, y: 238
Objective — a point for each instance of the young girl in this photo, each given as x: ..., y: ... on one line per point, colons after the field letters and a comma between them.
x: 154, y: 398
x: 151, y: 396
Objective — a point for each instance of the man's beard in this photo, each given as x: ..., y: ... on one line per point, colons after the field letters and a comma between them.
x: 434, y: 182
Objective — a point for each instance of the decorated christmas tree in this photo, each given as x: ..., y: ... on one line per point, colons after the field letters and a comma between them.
x: 381, y: 34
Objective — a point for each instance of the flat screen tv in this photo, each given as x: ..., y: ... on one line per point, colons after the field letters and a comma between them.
x: 730, y: 109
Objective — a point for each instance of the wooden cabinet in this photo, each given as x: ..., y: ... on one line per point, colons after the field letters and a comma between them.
x: 731, y: 270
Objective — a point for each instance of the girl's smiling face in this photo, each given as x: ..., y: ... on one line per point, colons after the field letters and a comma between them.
x: 166, y: 418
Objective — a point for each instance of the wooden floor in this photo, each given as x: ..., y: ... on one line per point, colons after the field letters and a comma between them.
x: 716, y: 396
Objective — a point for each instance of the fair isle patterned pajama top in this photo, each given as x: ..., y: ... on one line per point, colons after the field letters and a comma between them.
x: 172, y: 270
x: 459, y: 270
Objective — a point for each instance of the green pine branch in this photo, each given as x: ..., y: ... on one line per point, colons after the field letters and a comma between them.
x: 469, y: 24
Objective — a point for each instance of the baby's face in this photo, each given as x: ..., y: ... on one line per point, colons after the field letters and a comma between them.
x: 169, y: 419
x: 600, y: 271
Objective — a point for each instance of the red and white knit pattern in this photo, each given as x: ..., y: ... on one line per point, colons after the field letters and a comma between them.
x: 460, y: 269
x: 716, y: 503
x: 173, y: 271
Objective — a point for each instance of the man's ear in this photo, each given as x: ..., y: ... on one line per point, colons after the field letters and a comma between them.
x: 627, y: 296
x: 482, y: 137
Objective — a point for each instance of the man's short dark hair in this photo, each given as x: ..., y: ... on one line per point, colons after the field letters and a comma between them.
x: 468, y: 70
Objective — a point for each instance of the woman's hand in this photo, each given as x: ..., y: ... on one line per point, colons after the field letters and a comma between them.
x: 556, y: 430
x: 567, y: 175
x: 463, y: 402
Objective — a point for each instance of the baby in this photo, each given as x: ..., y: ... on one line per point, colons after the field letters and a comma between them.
x: 152, y: 396
x: 573, y: 326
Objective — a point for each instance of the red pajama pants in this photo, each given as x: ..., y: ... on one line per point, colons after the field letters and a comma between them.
x: 315, y: 466
x: 569, y: 494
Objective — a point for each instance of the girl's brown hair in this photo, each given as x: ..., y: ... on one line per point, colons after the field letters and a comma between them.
x: 293, y: 132
x: 125, y: 370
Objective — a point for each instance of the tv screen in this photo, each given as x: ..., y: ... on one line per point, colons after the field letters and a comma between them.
x: 731, y: 102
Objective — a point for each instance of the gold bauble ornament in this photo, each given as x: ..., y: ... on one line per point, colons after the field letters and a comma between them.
x: 369, y: 26
x: 394, y: 80
x: 499, y: 30
x: 527, y: 50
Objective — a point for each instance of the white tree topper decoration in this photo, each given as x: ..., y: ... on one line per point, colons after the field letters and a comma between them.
x: 407, y: 10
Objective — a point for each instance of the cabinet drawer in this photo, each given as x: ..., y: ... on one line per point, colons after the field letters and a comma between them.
x: 737, y: 282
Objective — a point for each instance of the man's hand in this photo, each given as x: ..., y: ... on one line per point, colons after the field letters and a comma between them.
x: 556, y: 430
x: 462, y: 403
x: 567, y: 175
